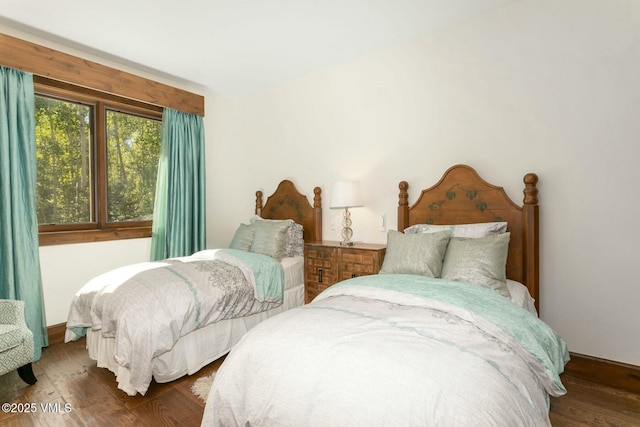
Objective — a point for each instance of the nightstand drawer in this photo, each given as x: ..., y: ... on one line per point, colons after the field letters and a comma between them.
x: 321, y: 269
x: 355, y: 262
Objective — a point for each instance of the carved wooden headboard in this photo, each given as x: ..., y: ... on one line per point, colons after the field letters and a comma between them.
x: 463, y: 197
x: 288, y: 203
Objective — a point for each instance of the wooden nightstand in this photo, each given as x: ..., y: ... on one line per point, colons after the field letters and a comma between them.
x: 327, y: 263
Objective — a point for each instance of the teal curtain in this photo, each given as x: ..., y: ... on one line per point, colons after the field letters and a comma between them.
x: 179, y: 210
x: 20, y: 277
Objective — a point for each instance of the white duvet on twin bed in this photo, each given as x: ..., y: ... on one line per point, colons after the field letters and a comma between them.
x: 189, y: 294
x: 367, y: 356
x: 195, y: 350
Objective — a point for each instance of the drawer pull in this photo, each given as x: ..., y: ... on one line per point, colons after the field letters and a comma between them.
x: 353, y: 275
x: 319, y: 275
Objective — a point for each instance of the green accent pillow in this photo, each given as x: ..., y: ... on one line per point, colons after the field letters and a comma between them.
x: 269, y: 238
x: 243, y: 237
x: 479, y: 261
x: 294, y: 243
x: 420, y: 254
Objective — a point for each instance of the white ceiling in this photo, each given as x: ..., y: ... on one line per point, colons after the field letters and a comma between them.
x: 235, y: 47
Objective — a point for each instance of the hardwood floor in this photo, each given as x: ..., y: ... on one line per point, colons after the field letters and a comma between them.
x: 66, y: 376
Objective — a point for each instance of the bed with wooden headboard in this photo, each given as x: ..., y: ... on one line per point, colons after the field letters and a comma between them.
x: 463, y: 197
x: 174, y: 327
x: 288, y: 203
x: 407, y: 348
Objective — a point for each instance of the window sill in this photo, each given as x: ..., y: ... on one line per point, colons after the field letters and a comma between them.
x: 86, y: 236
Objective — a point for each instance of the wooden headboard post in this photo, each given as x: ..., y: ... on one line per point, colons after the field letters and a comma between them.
x: 403, y: 206
x: 531, y: 236
x: 317, y: 210
x: 462, y: 196
x: 259, y: 203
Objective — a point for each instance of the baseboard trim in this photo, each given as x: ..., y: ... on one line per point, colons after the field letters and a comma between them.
x: 602, y: 371
x: 56, y: 333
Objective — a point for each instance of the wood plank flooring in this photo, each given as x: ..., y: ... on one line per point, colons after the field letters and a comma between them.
x: 66, y: 376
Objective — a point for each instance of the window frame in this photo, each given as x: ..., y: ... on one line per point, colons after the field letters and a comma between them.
x: 98, y: 229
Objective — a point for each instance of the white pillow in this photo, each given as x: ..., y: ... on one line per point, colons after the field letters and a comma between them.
x: 461, y: 230
x: 521, y: 297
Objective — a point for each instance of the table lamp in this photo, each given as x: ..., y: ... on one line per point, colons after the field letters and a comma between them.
x: 346, y: 194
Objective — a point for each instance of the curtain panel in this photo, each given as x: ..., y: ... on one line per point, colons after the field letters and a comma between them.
x: 20, y: 276
x: 179, y: 209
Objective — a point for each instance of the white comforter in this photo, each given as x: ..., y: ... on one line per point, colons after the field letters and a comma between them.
x: 147, y: 307
x: 372, y: 356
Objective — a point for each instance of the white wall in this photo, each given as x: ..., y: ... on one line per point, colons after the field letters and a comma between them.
x: 544, y: 86
x: 65, y: 268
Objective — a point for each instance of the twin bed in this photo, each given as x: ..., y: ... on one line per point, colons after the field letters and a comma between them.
x: 446, y: 334
x: 167, y: 319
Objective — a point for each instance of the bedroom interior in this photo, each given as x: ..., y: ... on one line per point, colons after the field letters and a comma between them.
x: 545, y: 86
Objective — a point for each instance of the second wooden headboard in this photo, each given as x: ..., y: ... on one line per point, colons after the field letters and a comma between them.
x: 463, y: 197
x: 288, y: 203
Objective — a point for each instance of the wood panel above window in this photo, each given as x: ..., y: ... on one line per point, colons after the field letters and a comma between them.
x: 46, y: 62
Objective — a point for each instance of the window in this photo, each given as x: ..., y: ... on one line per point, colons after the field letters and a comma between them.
x: 97, y: 160
x: 63, y: 150
x: 133, y: 147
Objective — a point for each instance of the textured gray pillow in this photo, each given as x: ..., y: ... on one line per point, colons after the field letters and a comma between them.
x: 243, y: 237
x: 269, y: 238
x: 415, y: 253
x: 294, y: 244
x: 480, y: 261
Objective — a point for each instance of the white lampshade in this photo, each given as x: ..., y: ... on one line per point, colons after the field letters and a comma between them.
x: 346, y: 194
